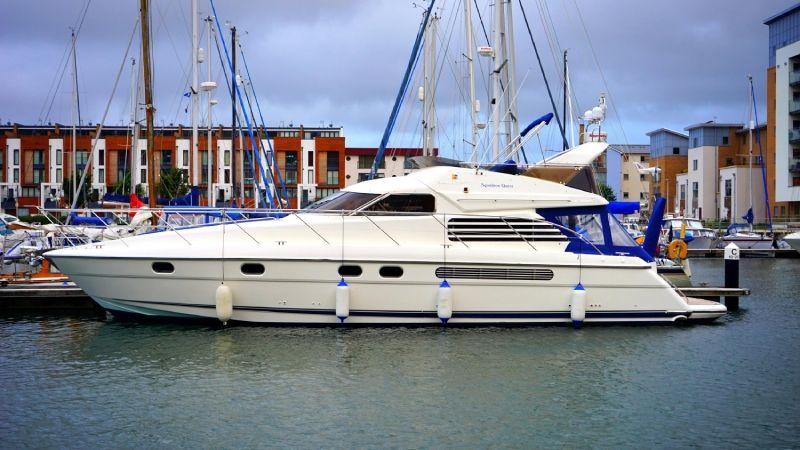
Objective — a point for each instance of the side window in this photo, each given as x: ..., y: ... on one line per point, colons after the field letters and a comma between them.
x: 415, y: 203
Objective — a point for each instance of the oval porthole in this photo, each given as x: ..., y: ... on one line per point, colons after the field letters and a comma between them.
x: 252, y: 269
x: 163, y: 267
x: 350, y: 271
x: 391, y: 271
x: 394, y: 158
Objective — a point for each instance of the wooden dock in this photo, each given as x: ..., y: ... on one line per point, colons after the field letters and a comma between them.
x: 745, y: 252
x: 46, y: 297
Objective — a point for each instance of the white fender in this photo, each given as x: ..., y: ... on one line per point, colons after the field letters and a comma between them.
x: 444, y: 302
x: 577, y: 309
x: 342, y: 300
x: 224, y: 303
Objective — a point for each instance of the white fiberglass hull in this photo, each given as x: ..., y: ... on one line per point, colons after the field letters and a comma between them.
x: 516, y: 285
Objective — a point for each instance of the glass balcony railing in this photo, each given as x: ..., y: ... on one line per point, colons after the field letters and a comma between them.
x: 794, y: 135
x: 794, y: 78
x: 794, y: 165
x: 794, y: 106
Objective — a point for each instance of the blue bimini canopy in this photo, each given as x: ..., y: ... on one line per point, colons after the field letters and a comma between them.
x: 594, y: 225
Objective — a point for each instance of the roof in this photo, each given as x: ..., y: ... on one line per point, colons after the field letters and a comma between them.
x: 781, y: 14
x: 712, y: 124
x: 631, y: 148
x: 372, y: 151
x: 744, y: 130
x: 667, y: 130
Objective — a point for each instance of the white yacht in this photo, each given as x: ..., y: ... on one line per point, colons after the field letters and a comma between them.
x: 443, y: 244
x: 699, y: 236
x: 793, y: 240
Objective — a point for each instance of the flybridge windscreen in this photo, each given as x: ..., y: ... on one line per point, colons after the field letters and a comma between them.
x: 596, y: 226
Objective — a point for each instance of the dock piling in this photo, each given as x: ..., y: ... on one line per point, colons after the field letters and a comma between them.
x: 732, y: 274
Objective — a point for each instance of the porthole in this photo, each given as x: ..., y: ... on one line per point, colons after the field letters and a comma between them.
x: 350, y: 271
x: 347, y: 176
x: 394, y: 158
x: 252, y: 269
x: 348, y: 158
x: 163, y: 267
x: 391, y: 271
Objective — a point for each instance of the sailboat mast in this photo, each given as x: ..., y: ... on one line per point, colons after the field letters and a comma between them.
x: 134, y: 121
x: 470, y: 68
x: 148, y: 102
x: 564, y: 110
x: 209, y: 159
x: 429, y: 88
x: 512, y: 125
x: 195, y: 100
x: 74, y: 162
x: 497, y: 68
x: 750, y: 126
x: 234, y: 83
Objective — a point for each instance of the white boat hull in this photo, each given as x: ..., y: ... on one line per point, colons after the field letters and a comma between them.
x: 303, y: 292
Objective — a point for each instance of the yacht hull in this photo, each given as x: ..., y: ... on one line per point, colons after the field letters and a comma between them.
x: 304, y: 292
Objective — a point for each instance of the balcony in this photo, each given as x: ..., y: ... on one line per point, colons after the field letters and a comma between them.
x: 794, y: 78
x: 794, y: 106
x: 794, y: 135
x: 794, y: 166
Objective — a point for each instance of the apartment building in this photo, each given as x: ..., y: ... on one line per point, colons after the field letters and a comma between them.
x: 36, y: 160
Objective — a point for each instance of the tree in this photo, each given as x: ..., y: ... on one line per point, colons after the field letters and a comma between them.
x: 173, y: 183
x: 607, y: 192
x: 83, y: 194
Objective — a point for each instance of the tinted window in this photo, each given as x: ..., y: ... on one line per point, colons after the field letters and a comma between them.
x: 163, y: 267
x: 350, y: 271
x: 342, y: 200
x: 405, y: 203
x: 391, y: 271
x: 252, y: 269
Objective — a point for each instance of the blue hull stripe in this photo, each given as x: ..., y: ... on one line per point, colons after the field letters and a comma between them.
x: 433, y: 314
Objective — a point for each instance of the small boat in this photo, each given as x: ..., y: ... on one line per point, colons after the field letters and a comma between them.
x: 793, y: 240
x: 745, y: 238
x: 697, y: 236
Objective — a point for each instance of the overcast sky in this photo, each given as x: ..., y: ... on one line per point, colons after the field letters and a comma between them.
x: 313, y: 62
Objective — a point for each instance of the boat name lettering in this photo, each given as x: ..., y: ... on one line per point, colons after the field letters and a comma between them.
x: 496, y: 185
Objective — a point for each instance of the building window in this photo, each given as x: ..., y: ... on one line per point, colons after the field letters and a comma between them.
x: 625, y: 176
x: 325, y: 192
x: 694, y: 164
x: 59, y: 176
x: 204, y: 174
x: 143, y: 176
x: 642, y: 196
x: 227, y: 156
x: 366, y: 162
x: 624, y: 195
x: 227, y: 176
x: 676, y: 150
x: 101, y: 158
x: 143, y: 158
x: 59, y: 157
x: 332, y: 174
x: 695, y: 193
x: 166, y: 160
x: 287, y: 164
x: 37, y: 172
x: 101, y: 176
x: 724, y: 140
x: 30, y: 192
x: 310, y: 158
x: 81, y: 158
x: 16, y: 156
x: 641, y: 159
x: 248, y: 167
x: 186, y: 158
x: 122, y: 165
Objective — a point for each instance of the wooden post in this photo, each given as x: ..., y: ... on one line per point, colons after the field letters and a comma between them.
x: 732, y: 275
x: 148, y: 102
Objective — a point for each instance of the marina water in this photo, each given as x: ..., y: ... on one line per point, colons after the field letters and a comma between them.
x: 88, y: 381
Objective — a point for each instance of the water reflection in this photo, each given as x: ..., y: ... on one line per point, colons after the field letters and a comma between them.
x: 122, y: 384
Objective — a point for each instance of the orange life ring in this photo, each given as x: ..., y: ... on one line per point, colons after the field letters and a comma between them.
x: 677, y: 249
x: 639, y: 240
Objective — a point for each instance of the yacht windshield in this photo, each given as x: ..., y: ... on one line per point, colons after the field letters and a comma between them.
x: 342, y: 201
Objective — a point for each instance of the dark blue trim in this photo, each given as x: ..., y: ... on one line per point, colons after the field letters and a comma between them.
x: 434, y: 315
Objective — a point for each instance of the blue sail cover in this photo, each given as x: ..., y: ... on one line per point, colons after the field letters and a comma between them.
x: 617, y: 207
x: 748, y: 217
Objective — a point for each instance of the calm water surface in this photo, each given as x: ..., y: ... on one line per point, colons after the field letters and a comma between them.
x: 87, y: 382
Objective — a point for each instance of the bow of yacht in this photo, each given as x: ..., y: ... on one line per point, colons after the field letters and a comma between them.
x: 443, y: 244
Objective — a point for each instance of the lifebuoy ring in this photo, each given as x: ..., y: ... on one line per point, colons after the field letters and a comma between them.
x: 677, y: 249
x: 639, y: 240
